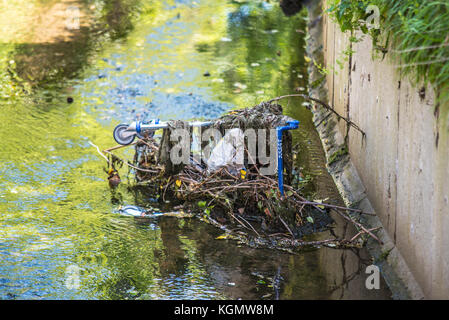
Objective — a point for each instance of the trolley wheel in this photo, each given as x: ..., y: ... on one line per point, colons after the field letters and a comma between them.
x: 122, y: 136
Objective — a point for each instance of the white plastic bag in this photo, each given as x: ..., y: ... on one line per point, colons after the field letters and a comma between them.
x: 229, y: 152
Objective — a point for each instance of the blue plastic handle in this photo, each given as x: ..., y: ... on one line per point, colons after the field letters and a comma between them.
x: 139, y: 125
x: 290, y: 126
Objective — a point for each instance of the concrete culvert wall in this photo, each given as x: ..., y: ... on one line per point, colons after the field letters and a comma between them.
x: 401, y: 166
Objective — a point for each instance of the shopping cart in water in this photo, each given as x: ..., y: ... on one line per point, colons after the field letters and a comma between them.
x: 125, y: 134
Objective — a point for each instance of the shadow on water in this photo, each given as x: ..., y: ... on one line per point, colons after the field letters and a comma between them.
x: 60, y: 234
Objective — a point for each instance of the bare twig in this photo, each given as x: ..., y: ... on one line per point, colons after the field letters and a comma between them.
x: 132, y: 166
x: 359, y: 225
x: 325, y: 105
x: 99, y: 152
x: 249, y: 225
x: 119, y: 147
x: 287, y: 227
x: 338, y: 207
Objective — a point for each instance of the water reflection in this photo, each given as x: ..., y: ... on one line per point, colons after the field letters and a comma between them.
x: 144, y: 59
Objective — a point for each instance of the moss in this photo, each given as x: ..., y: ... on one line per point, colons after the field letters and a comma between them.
x: 338, y: 154
x: 384, y: 255
x: 318, y: 82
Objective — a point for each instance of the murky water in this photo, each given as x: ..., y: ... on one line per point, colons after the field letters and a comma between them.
x: 60, y: 235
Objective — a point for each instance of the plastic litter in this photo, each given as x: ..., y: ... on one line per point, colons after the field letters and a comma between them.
x: 229, y: 152
x: 135, y: 211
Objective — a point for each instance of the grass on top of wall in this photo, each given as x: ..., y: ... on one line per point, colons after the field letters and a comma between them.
x: 415, y: 32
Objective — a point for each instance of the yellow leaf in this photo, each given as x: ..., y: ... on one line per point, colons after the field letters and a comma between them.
x: 307, y: 59
x: 223, y: 236
x: 178, y: 183
x: 319, y: 201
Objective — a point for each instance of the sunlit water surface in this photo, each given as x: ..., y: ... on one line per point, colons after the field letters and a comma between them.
x: 58, y: 216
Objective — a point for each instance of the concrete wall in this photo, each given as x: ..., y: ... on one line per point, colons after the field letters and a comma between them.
x: 403, y: 161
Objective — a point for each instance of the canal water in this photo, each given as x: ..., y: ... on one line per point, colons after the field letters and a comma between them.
x: 60, y: 234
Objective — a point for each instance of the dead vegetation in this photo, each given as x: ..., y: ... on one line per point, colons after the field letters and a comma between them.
x: 247, y: 205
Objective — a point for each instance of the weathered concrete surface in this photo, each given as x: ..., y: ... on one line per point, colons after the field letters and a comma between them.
x: 401, y: 168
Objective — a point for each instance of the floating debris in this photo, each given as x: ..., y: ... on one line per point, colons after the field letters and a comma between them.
x: 247, y: 205
x: 114, y: 178
x: 133, y: 211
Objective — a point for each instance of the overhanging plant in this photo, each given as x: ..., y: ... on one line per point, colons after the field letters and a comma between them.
x: 415, y: 33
